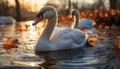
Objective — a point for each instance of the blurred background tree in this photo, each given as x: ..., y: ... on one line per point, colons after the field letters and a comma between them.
x: 4, y: 6
x: 18, y: 11
x: 26, y: 10
x: 113, y: 4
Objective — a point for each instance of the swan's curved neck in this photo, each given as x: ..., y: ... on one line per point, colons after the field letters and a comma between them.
x: 76, y: 21
x: 51, y: 23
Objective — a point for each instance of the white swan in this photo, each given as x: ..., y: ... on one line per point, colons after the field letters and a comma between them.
x: 84, y: 24
x: 72, y: 39
x: 81, y: 24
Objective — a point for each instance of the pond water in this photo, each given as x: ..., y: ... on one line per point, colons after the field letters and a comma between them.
x: 23, y: 57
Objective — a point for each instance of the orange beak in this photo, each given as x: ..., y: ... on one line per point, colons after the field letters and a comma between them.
x: 38, y: 19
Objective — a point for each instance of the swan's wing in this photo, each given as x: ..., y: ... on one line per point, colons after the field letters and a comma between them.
x: 75, y: 35
x: 58, y: 33
x: 67, y: 39
x: 73, y: 39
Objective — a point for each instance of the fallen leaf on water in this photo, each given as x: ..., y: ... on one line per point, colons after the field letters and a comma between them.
x: 9, y: 44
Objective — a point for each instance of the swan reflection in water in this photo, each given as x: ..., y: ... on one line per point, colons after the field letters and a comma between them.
x: 53, y: 58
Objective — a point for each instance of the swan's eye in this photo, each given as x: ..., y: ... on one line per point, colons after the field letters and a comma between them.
x: 40, y: 14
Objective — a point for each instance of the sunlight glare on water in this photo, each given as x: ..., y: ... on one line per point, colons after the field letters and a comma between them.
x: 32, y: 28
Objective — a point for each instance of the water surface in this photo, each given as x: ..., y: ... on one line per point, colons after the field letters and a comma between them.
x: 23, y: 57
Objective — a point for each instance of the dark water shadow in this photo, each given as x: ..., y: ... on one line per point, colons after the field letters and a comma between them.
x: 52, y: 58
x: 61, y: 54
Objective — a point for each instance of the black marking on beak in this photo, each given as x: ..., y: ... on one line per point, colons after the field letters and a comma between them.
x: 73, y: 13
x: 40, y: 14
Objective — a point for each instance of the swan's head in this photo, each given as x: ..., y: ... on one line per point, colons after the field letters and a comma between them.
x: 75, y: 13
x: 46, y: 12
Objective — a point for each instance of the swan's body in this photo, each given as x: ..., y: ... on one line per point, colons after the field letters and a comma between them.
x: 68, y: 40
